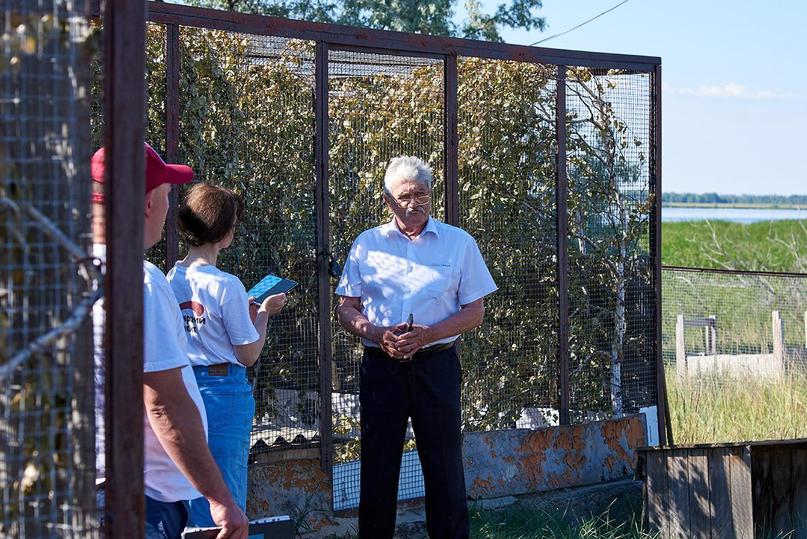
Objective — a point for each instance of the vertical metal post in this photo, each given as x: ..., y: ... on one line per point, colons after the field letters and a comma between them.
x: 662, y: 406
x: 450, y: 140
x: 562, y: 268
x: 124, y: 23
x: 172, y: 67
x: 323, y: 249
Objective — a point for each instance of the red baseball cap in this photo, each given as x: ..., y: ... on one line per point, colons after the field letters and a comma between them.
x: 158, y: 171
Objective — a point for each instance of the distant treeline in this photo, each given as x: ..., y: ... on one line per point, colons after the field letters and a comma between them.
x: 714, y: 198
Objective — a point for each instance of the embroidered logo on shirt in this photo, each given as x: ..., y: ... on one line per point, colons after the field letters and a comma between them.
x: 192, y: 323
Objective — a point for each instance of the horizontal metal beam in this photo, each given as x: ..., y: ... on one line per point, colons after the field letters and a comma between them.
x: 348, y: 36
x: 749, y: 273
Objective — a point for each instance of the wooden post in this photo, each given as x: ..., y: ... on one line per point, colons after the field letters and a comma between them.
x: 711, y: 335
x: 680, y: 348
x: 778, y: 341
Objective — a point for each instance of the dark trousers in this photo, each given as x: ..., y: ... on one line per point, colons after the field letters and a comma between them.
x: 427, y: 389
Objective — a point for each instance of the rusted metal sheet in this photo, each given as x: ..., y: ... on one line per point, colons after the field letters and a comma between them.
x: 290, y: 483
x: 513, y: 462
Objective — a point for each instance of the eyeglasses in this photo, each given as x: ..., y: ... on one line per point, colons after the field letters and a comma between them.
x: 406, y: 201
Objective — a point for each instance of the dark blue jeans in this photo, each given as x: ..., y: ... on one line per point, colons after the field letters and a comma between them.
x: 165, y: 520
x: 428, y: 391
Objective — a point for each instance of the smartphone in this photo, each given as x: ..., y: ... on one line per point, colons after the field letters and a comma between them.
x: 269, y: 286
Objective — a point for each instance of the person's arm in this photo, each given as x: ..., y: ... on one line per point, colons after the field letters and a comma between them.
x: 248, y: 354
x: 470, y: 316
x: 349, y: 313
x: 175, y: 420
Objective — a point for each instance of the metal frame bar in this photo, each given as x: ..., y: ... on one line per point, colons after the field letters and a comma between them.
x: 662, y: 408
x: 338, y: 35
x: 750, y: 273
x: 124, y: 120
x: 561, y: 231
x: 172, y: 72
x: 385, y: 51
x: 451, y: 141
x: 323, y: 256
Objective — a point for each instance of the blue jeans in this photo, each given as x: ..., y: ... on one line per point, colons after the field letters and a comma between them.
x: 230, y: 408
x: 165, y: 520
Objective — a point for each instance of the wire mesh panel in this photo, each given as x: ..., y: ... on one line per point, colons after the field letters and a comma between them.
x: 46, y: 278
x: 156, y: 89
x: 735, y: 349
x: 246, y: 123
x: 734, y: 324
x: 507, y: 149
x: 380, y: 106
x: 611, y: 298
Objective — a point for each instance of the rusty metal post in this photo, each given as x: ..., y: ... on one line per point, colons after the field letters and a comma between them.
x: 124, y: 120
x: 450, y: 140
x: 323, y: 257
x: 562, y: 267
x: 172, y: 67
x: 665, y: 428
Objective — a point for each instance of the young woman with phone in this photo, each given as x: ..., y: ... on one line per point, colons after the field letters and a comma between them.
x: 225, y: 333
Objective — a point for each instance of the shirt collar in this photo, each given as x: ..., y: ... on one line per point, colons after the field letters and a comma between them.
x: 391, y: 227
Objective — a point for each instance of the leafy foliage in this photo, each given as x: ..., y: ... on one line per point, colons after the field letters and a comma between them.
x: 433, y: 17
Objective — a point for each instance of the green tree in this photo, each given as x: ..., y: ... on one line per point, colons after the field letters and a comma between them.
x: 433, y: 17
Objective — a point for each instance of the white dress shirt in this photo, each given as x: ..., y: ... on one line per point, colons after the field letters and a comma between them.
x: 430, y: 276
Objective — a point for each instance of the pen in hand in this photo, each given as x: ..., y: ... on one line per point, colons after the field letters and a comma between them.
x: 409, y: 322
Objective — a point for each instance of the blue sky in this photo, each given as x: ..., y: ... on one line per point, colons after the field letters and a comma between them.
x: 735, y: 83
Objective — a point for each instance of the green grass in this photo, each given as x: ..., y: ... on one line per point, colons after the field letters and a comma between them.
x: 525, y: 523
x: 727, y: 409
x: 766, y: 246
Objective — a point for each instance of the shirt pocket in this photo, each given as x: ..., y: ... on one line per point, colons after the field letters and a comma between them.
x: 441, y: 286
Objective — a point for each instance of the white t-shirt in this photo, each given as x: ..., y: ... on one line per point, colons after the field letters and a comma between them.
x: 165, y: 348
x: 430, y: 276
x: 98, y: 320
x: 215, y: 309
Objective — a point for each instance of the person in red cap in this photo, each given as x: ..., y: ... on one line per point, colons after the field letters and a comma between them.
x: 178, y: 466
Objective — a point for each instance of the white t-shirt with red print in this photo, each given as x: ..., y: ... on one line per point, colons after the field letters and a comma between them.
x: 215, y: 310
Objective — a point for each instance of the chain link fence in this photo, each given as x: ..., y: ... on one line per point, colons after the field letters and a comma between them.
x: 47, y: 282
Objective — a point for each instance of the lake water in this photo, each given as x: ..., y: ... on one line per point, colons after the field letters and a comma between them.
x: 736, y: 215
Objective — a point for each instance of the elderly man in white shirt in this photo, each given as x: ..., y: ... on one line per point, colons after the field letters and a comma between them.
x: 409, y: 289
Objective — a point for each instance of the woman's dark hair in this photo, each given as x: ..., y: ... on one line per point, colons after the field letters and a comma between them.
x: 208, y: 213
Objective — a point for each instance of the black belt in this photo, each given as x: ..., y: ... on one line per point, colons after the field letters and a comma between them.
x: 423, y: 353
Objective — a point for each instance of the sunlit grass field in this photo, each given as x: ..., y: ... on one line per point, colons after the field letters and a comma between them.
x: 733, y: 409
x: 765, y: 246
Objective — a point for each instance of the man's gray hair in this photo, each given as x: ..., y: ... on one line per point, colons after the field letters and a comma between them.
x: 407, y: 167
